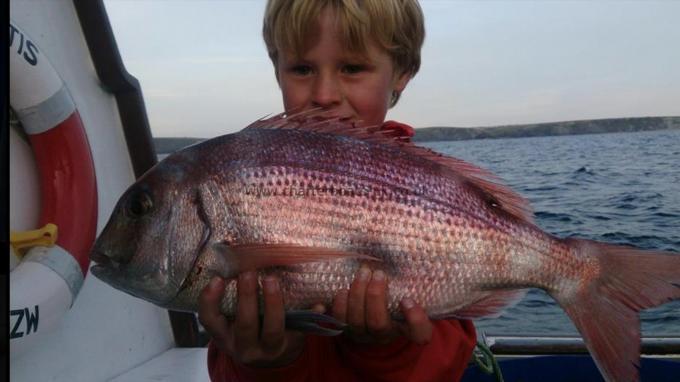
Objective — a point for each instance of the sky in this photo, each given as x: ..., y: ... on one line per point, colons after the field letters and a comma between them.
x: 204, y: 69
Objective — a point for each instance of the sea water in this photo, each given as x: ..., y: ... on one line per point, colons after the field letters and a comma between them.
x: 621, y: 188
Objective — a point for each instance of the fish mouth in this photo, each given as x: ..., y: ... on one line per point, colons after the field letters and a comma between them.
x: 107, y: 270
x: 102, y: 259
x: 117, y: 276
x: 102, y: 272
x: 105, y: 265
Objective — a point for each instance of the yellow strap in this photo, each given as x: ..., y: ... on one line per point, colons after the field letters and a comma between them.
x: 22, y: 241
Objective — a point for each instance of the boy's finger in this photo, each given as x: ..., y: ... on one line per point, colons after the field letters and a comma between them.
x: 378, y: 321
x: 419, y: 325
x: 246, y: 325
x: 273, y: 323
x: 339, y: 309
x: 356, y: 312
x: 319, y: 308
x: 209, y: 313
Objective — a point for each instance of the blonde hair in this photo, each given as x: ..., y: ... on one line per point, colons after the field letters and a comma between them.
x: 397, y: 26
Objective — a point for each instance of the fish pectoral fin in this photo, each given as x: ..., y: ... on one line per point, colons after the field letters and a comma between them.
x: 242, y: 257
x: 312, y: 322
x: 491, y: 305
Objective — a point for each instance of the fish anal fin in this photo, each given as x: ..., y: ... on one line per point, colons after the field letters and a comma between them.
x: 312, y: 322
x: 243, y: 257
x: 491, y: 305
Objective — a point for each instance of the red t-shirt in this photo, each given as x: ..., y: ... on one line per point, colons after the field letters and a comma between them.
x: 331, y: 359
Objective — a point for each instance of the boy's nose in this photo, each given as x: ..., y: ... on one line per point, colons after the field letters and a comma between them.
x: 327, y: 91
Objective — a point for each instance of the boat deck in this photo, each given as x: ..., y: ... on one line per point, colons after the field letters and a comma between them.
x: 174, y: 365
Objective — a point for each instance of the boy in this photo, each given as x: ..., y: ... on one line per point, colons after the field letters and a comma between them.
x: 353, y: 59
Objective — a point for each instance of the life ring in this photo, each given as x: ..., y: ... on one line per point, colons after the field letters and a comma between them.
x: 44, y: 285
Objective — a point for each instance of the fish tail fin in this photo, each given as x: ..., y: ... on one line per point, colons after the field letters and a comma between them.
x: 605, y: 306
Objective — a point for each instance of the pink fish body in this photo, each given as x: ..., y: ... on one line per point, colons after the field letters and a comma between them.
x: 311, y: 200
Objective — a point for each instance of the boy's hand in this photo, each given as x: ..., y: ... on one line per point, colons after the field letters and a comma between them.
x: 242, y: 339
x: 364, y: 308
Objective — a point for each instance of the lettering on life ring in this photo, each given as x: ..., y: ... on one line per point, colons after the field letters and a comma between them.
x: 27, y: 50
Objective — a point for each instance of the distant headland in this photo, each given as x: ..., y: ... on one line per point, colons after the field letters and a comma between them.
x: 590, y: 126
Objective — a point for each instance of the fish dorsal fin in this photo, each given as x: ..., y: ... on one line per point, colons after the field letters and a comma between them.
x: 489, y: 185
x: 317, y: 121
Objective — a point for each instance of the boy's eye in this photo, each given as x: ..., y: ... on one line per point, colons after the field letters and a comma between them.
x: 301, y: 70
x: 353, y: 69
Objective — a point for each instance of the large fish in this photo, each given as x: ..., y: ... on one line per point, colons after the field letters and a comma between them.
x: 311, y: 200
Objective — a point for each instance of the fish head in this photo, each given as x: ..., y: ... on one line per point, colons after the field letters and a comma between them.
x: 154, y: 235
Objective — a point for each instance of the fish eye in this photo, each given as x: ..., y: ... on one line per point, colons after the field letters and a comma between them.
x: 140, y: 204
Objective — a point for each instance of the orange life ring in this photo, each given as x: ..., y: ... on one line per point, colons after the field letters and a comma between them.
x: 68, y: 186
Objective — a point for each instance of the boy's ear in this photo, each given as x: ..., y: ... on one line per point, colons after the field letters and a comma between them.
x: 401, y: 81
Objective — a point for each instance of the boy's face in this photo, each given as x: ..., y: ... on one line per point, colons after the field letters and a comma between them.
x: 341, y: 82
